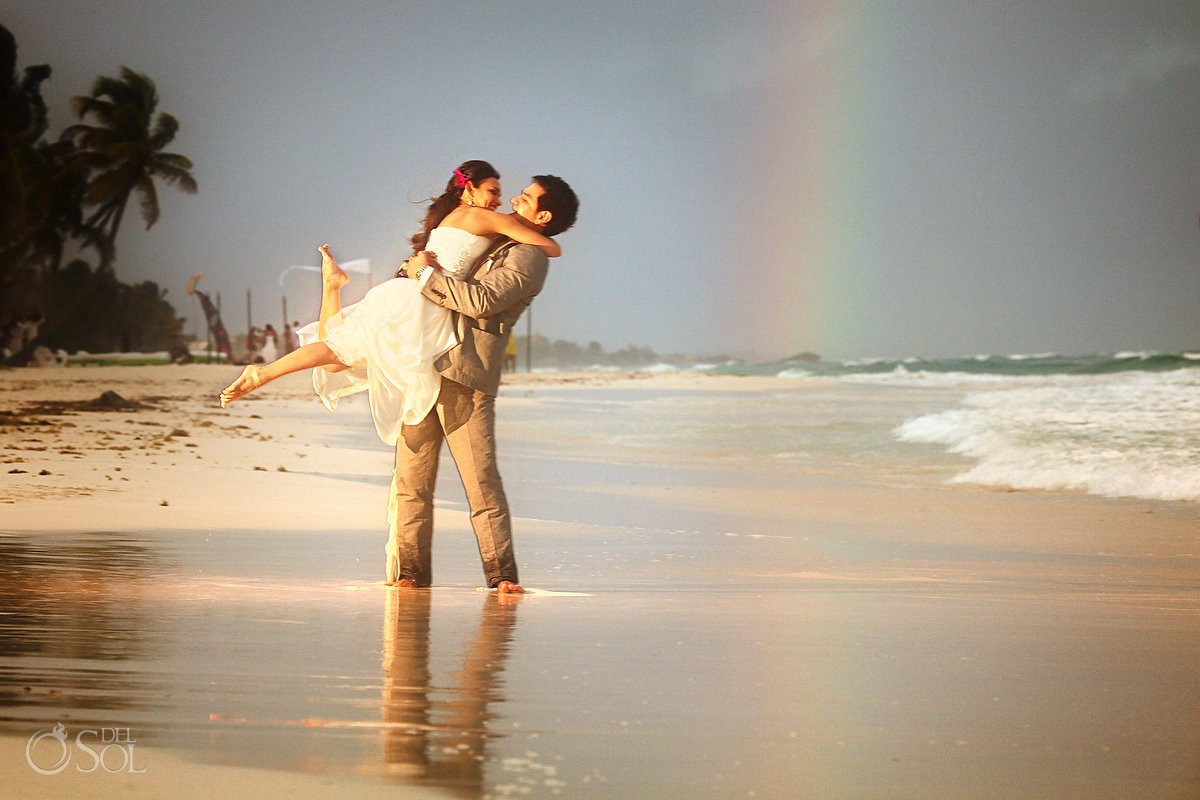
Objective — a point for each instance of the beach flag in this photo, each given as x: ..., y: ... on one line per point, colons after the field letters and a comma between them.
x: 362, y: 265
x: 212, y: 317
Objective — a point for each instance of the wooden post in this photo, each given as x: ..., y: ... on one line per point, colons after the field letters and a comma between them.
x: 529, y: 339
x: 211, y: 335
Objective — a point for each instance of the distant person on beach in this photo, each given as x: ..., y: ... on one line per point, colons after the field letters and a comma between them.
x: 510, y: 355
x: 432, y: 340
x: 252, y: 341
x: 24, y: 331
x: 270, y: 343
x: 13, y: 339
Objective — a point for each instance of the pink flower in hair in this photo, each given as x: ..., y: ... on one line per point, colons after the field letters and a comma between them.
x: 460, y: 178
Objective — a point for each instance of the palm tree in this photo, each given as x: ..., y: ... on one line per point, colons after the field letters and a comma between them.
x: 99, y: 167
x: 124, y: 151
x: 24, y: 172
x: 23, y: 120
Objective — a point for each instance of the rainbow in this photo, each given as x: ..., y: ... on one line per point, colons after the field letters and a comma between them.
x: 821, y: 150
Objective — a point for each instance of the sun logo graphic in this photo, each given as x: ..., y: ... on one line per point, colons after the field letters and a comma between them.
x: 57, y: 748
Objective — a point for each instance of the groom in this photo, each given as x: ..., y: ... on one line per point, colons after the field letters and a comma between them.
x: 486, y: 307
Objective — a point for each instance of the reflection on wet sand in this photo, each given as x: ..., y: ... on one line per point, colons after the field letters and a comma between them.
x: 71, y: 618
x: 103, y: 629
x: 439, y: 735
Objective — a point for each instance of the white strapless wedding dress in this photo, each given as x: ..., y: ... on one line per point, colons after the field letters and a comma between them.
x: 390, y: 338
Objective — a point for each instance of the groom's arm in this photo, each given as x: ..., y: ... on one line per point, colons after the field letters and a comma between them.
x: 519, y: 277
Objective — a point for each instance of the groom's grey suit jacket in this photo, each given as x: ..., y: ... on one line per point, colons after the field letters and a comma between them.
x: 486, y: 306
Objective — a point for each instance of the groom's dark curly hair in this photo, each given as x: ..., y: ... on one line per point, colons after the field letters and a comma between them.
x: 560, y: 200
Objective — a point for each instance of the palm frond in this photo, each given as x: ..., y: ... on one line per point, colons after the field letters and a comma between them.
x: 165, y: 128
x: 147, y: 200
x: 111, y: 185
x: 173, y: 160
x: 182, y: 179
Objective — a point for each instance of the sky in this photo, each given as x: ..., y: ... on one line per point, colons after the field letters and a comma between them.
x: 757, y: 179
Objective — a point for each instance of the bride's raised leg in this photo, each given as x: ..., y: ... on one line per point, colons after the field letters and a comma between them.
x: 333, y: 278
x: 317, y: 354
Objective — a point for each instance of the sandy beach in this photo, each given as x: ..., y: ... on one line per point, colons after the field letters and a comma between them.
x: 203, y: 586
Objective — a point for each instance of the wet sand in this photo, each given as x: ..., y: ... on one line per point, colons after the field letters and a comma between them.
x: 698, y: 627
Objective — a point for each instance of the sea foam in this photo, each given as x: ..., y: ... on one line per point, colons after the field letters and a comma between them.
x: 1134, y: 434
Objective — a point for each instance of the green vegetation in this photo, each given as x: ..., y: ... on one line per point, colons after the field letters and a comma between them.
x: 563, y: 354
x: 68, y: 197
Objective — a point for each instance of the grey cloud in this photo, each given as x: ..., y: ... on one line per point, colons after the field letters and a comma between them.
x: 1118, y: 71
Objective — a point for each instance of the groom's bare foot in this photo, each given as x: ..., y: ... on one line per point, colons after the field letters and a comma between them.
x: 508, y: 587
x: 332, y: 276
x: 246, y: 383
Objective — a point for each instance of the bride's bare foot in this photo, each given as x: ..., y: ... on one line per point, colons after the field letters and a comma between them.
x: 246, y: 383
x: 508, y: 587
x: 332, y: 276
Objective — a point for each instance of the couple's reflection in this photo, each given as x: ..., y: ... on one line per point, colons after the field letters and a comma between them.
x: 437, y: 732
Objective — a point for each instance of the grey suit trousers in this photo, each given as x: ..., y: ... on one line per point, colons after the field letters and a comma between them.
x: 466, y: 420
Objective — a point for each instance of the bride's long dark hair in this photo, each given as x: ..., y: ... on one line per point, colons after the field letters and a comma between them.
x: 476, y: 172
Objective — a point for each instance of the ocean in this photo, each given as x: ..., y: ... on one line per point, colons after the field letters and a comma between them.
x: 1123, y: 425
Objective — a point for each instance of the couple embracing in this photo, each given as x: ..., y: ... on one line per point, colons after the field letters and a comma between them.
x: 428, y: 346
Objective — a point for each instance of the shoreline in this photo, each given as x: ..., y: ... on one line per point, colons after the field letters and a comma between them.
x: 71, y: 456
x: 71, y: 459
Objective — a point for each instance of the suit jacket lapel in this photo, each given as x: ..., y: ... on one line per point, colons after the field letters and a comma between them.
x: 484, y: 262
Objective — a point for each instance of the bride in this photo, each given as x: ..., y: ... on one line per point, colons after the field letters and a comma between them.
x: 387, y: 342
